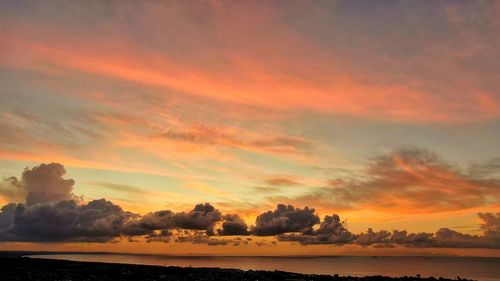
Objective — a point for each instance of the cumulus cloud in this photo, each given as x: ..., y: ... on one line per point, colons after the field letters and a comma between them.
x: 158, y: 220
x: 202, y: 217
x: 412, y: 179
x: 333, y: 232
x: 447, y: 238
x: 285, y: 219
x: 96, y: 221
x: 233, y: 225
x: 443, y: 238
x: 102, y: 221
x: 50, y: 214
x: 44, y: 183
x: 41, y: 184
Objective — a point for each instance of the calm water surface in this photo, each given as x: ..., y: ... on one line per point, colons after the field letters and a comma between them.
x: 466, y: 267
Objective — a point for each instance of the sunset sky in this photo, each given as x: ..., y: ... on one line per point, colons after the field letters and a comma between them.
x: 386, y: 113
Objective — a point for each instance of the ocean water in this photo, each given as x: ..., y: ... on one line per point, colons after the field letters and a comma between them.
x: 466, y: 267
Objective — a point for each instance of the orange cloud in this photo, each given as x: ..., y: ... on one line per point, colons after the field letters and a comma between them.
x: 408, y: 181
x: 247, y: 80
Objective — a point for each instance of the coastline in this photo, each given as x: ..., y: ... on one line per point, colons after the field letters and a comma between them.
x: 17, y: 267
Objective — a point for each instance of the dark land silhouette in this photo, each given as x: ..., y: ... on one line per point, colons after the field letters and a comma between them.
x: 13, y: 266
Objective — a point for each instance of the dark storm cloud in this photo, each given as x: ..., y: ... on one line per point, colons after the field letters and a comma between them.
x: 7, y: 216
x: 51, y: 213
x: 202, y: 217
x: 48, y: 219
x: 331, y: 231
x: 158, y: 220
x: 233, y: 225
x: 285, y: 219
x: 97, y: 221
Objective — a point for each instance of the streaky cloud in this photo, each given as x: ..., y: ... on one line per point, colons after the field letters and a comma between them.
x: 412, y: 179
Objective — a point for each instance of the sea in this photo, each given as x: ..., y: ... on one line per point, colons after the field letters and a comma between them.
x: 476, y: 268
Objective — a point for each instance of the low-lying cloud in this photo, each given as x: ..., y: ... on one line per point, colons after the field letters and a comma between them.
x: 233, y: 225
x: 443, y: 238
x: 52, y: 213
x: 68, y: 221
x: 285, y: 219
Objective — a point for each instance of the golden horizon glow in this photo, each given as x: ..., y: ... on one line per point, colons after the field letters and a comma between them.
x: 387, y: 115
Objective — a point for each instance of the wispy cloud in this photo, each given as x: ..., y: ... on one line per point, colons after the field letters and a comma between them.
x: 409, y: 180
x: 326, y: 80
x: 231, y: 137
x: 283, y: 180
x: 120, y: 187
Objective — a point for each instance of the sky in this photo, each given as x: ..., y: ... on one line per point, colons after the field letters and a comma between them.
x: 250, y: 127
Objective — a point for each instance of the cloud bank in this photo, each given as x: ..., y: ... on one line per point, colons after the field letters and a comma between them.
x: 52, y: 213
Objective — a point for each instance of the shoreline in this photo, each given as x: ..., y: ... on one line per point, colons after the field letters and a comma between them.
x: 16, y: 267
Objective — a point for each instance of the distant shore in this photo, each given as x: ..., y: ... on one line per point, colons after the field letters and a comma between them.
x: 16, y: 267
